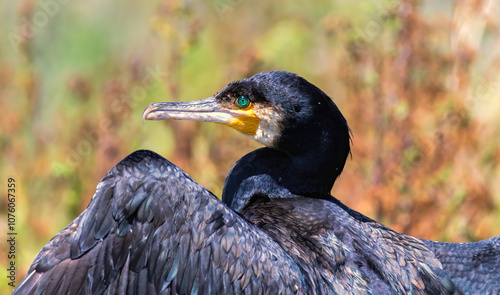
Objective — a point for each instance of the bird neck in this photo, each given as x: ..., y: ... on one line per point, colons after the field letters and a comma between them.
x: 271, y: 173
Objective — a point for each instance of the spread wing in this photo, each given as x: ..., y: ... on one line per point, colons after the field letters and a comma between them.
x: 151, y: 229
x: 473, y: 267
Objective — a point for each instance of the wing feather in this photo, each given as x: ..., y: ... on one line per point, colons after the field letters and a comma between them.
x: 151, y: 228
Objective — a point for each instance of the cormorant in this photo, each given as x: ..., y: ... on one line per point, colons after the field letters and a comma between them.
x: 151, y: 229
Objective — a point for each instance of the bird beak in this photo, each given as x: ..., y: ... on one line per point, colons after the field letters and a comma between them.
x: 209, y: 110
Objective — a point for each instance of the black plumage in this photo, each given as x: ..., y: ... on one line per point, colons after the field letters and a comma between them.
x: 151, y: 229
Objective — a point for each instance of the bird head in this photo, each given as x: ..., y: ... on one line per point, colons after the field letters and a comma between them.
x: 278, y: 109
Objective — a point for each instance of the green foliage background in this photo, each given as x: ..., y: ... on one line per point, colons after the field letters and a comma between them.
x: 417, y: 81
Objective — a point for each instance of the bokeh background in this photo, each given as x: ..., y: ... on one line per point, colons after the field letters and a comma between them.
x: 418, y: 82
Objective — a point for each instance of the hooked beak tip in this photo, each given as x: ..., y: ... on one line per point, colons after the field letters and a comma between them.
x: 148, y: 113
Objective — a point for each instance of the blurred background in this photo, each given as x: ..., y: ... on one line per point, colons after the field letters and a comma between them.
x: 418, y: 82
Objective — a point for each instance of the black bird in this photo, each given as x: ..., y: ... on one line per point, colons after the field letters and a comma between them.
x: 151, y: 229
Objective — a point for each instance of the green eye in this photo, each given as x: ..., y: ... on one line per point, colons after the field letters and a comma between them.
x: 243, y: 101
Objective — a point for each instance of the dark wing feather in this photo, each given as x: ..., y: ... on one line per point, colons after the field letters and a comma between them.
x: 151, y: 229
x: 473, y: 267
